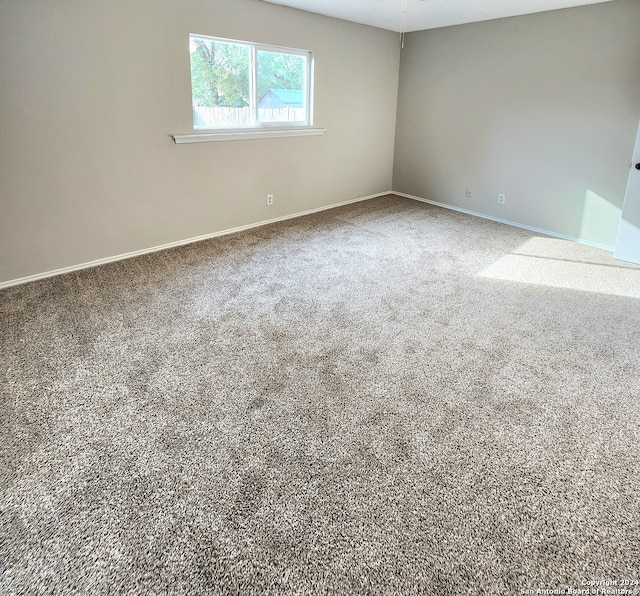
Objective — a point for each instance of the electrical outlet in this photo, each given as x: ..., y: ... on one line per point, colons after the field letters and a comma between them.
x: 467, y: 192
x: 502, y: 199
x: 269, y: 200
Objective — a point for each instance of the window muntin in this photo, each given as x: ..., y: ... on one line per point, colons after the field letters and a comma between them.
x: 243, y: 85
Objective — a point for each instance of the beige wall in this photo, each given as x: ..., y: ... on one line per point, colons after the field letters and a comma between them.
x: 91, y: 91
x: 541, y: 107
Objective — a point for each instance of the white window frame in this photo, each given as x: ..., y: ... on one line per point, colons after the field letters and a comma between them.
x: 254, y: 48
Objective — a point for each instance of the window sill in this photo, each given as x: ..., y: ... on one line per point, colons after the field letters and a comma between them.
x: 240, y: 135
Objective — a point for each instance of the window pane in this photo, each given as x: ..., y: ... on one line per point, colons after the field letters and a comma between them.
x: 281, y: 87
x: 220, y: 84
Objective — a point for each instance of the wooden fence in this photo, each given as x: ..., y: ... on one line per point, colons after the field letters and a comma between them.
x: 207, y: 117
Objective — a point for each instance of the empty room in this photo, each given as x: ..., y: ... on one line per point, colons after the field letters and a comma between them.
x: 320, y: 297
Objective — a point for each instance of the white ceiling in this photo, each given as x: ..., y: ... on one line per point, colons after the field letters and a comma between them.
x: 427, y: 14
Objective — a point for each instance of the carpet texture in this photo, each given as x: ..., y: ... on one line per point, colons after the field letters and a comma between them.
x: 384, y: 398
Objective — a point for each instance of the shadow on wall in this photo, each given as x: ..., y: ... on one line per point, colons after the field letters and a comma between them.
x: 547, y: 186
x: 563, y: 264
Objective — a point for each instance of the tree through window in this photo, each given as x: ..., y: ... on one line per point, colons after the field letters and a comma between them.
x: 239, y: 85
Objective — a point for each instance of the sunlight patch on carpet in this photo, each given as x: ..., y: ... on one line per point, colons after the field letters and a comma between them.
x: 563, y: 264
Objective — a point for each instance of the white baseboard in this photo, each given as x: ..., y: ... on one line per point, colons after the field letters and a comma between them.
x: 515, y: 224
x: 145, y: 251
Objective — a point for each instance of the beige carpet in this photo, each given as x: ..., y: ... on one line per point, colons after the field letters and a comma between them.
x: 385, y: 398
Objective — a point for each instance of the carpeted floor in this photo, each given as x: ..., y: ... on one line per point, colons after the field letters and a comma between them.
x: 385, y: 398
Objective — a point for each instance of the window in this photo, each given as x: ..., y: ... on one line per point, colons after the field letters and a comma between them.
x: 242, y: 85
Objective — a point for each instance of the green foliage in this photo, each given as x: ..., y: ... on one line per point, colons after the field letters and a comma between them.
x: 219, y: 73
x: 279, y: 71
